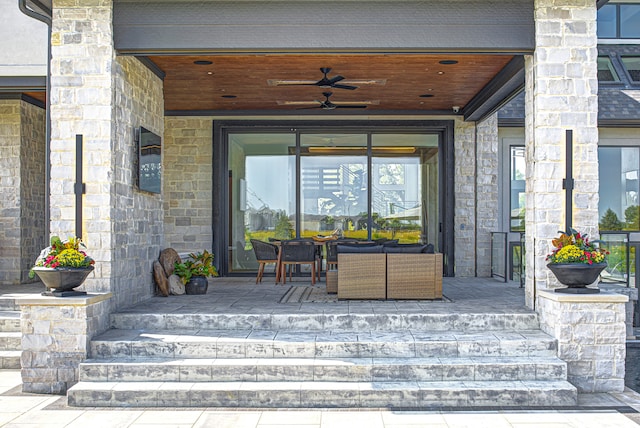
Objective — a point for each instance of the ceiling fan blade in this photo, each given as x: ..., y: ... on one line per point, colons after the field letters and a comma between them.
x: 297, y: 103
x: 364, y: 103
x: 349, y: 87
x: 280, y: 82
x: 366, y: 81
x: 351, y: 106
x: 335, y: 79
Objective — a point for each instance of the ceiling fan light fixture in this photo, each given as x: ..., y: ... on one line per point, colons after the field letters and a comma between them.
x: 448, y: 62
x: 202, y: 62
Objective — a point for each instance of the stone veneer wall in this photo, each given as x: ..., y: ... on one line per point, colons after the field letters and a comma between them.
x: 187, y: 185
x: 22, y: 188
x: 33, y: 224
x: 487, y: 211
x: 10, y: 254
x: 56, y: 338
x: 591, y: 334
x: 138, y: 222
x: 465, y: 194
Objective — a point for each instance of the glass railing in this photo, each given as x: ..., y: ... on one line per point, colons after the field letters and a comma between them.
x: 618, y: 270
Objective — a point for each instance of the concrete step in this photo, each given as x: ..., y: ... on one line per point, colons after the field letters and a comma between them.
x: 9, y: 321
x: 10, y: 341
x: 324, y: 370
x: 327, y: 344
x: 8, y: 304
x: 10, y: 359
x: 324, y: 394
x: 468, y: 322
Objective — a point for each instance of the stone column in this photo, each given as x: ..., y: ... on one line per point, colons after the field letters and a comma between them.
x: 56, y: 338
x: 591, y: 334
x: 561, y: 94
x: 487, y: 212
x: 82, y: 97
x: 465, y: 191
x: 105, y: 98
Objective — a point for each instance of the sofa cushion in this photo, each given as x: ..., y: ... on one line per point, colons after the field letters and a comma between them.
x: 359, y: 249
x: 406, y: 248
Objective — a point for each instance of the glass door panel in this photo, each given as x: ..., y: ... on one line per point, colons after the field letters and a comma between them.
x: 405, y: 188
x: 333, y: 184
x: 262, y: 193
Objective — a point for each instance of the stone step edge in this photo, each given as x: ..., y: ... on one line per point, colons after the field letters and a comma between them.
x: 321, y: 322
x: 324, y: 369
x: 9, y: 304
x: 10, y: 359
x: 323, y: 394
x: 269, y: 335
x: 178, y: 346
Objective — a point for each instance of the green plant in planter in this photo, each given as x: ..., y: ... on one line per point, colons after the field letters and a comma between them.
x: 199, y: 264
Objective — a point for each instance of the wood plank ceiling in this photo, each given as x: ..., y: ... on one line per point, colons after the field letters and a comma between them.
x: 402, y: 82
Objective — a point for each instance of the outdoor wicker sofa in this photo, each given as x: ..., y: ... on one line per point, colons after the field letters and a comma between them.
x: 388, y: 272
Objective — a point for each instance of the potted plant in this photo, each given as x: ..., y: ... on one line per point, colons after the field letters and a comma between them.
x: 194, y: 272
x: 63, y: 266
x: 576, y: 262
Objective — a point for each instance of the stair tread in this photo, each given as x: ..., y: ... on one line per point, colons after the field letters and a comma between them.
x: 314, y: 385
x: 7, y: 314
x: 324, y: 360
x: 197, y: 336
x: 10, y: 353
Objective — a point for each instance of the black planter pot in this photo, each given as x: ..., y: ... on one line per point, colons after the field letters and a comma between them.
x: 197, y: 285
x: 62, y: 281
x: 576, y: 276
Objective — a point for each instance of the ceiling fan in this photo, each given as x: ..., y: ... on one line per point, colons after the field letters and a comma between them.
x: 327, y: 82
x: 327, y: 104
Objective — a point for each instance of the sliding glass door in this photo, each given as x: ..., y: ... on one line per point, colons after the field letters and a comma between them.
x: 364, y: 185
x: 333, y: 185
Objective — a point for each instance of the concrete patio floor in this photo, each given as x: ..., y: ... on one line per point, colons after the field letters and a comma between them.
x: 242, y: 295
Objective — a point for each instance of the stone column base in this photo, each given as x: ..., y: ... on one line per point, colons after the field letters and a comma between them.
x: 56, y: 338
x: 591, y: 334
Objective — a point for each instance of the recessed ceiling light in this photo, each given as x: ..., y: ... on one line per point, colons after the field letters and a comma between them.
x: 441, y: 72
x: 448, y: 61
x: 426, y: 95
x: 228, y: 96
x: 202, y: 62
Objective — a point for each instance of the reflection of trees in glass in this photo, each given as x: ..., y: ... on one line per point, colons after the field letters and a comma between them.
x: 631, y: 216
x: 610, y: 221
x: 283, y: 229
x: 391, y: 173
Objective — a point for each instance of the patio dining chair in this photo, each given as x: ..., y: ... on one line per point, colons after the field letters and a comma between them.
x: 298, y: 252
x: 265, y: 253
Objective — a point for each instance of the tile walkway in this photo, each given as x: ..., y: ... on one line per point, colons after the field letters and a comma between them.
x: 18, y: 409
